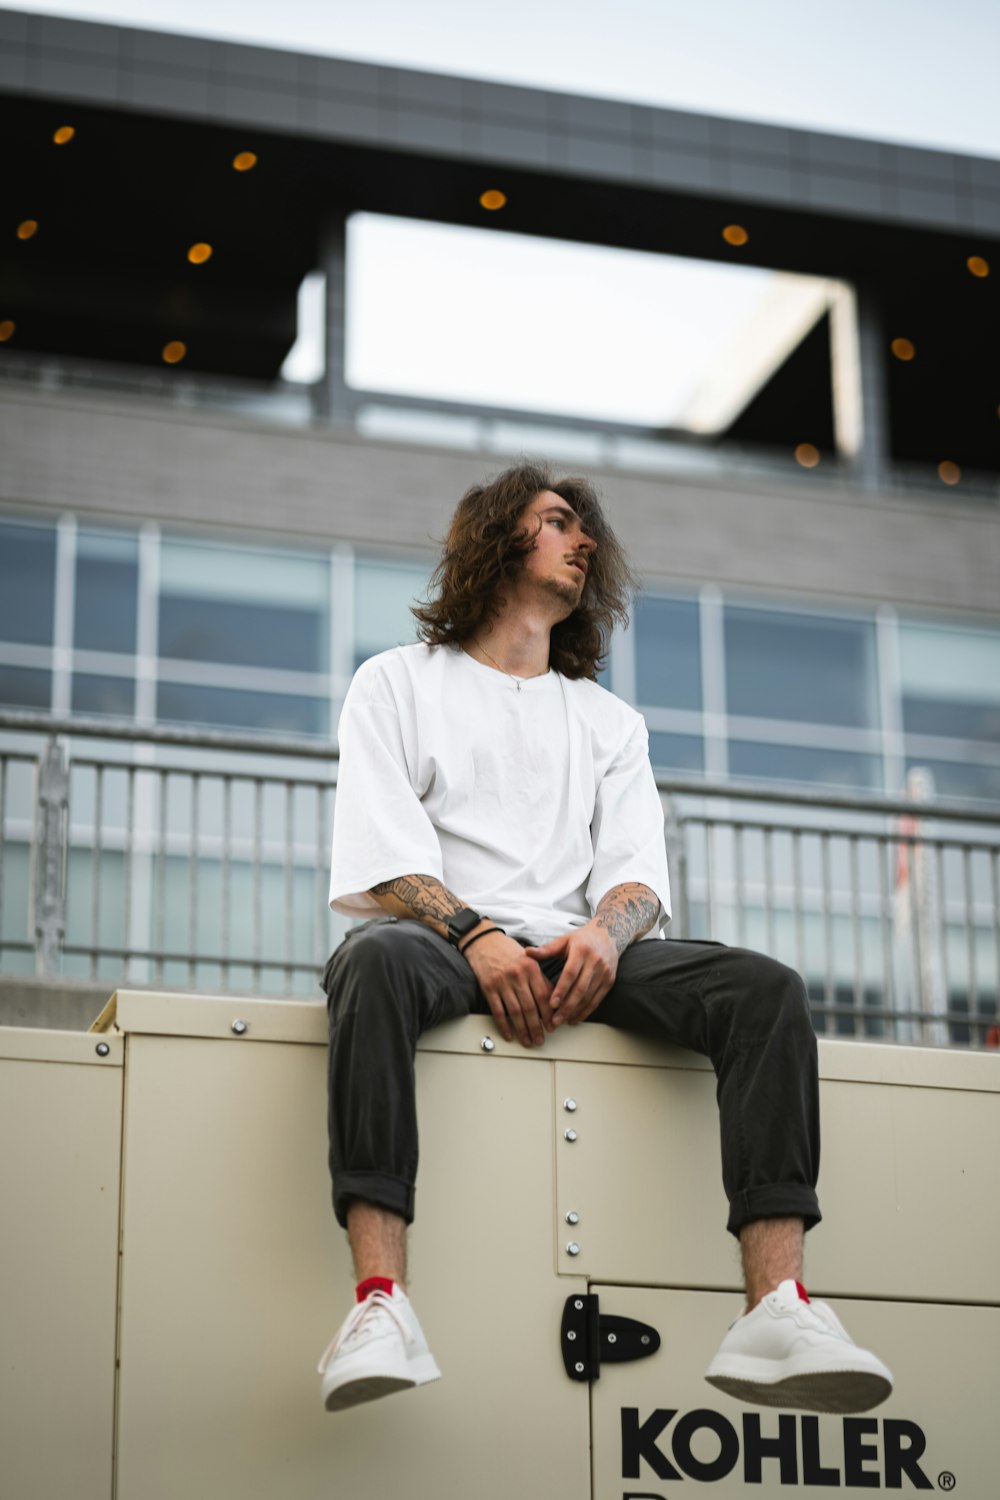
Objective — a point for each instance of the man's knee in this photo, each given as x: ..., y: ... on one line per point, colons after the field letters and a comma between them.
x: 771, y: 996
x: 371, y: 958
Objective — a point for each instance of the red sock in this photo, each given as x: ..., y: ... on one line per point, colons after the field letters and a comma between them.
x: 374, y: 1284
x: 803, y: 1294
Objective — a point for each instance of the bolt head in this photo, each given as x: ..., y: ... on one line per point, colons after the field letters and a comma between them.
x: 578, y: 1305
x: 570, y: 1135
x: 569, y: 1105
x: 488, y: 1044
x: 572, y: 1248
x: 240, y: 1028
x: 572, y: 1217
x: 102, y: 1049
x: 571, y: 1335
x: 578, y: 1368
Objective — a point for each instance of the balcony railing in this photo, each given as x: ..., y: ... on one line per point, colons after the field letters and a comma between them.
x: 187, y: 859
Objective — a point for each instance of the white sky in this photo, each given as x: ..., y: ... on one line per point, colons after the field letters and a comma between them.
x: 915, y: 71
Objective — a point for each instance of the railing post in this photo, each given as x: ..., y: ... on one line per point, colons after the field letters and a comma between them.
x: 51, y: 812
x: 677, y: 864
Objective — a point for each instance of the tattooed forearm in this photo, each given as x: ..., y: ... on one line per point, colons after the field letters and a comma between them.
x: 418, y: 896
x: 627, y: 911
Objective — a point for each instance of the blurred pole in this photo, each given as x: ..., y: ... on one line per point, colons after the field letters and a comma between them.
x: 332, y: 400
x: 873, y: 454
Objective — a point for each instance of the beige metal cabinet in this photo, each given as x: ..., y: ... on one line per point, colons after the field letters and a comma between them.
x: 233, y: 1273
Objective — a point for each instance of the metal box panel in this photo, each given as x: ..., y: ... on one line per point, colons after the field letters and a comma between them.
x: 235, y: 1275
x: 936, y: 1426
x: 60, y: 1124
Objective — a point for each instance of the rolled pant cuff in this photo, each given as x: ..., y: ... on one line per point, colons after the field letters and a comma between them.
x: 775, y: 1200
x: 392, y: 1193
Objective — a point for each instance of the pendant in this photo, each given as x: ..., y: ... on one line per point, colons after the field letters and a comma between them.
x: 519, y: 687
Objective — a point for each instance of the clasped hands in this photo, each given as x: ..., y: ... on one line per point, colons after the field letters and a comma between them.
x: 527, y: 1004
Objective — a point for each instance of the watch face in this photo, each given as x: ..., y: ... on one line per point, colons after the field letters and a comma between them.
x: 462, y: 923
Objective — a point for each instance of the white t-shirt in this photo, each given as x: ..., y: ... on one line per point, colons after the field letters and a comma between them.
x: 528, y: 805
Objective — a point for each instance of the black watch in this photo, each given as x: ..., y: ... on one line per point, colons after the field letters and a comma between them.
x: 461, y: 924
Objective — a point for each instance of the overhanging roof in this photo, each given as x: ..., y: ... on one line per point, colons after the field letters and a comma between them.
x: 160, y: 117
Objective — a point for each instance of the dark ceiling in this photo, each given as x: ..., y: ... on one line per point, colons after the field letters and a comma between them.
x: 106, y: 275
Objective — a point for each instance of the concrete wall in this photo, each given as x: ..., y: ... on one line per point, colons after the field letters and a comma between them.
x: 131, y: 458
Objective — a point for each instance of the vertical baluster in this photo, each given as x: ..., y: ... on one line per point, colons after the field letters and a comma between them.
x: 710, y: 877
x: 129, y: 866
x: 258, y: 818
x: 975, y: 1031
x: 918, y: 999
x: 95, y: 870
x: 942, y: 929
x: 884, y: 849
x: 769, y: 911
x: 827, y: 899
x: 995, y: 885
x: 320, y: 927
x: 738, y: 870
x: 227, y: 835
x: 289, y: 883
x: 161, y: 880
x: 856, y: 934
x: 800, y: 946
x: 193, y: 880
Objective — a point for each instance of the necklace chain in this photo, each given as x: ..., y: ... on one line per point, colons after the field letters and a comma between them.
x: 516, y: 680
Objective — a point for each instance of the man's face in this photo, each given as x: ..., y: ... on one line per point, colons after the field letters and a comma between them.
x: 560, y: 558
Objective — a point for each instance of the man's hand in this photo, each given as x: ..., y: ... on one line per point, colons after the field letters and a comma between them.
x: 591, y: 956
x: 515, y: 987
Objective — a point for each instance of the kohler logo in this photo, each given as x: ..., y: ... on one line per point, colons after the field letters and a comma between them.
x: 783, y: 1448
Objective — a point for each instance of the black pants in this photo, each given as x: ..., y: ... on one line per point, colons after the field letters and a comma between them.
x: 389, y: 981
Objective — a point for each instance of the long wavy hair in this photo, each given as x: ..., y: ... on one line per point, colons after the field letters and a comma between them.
x: 485, y: 548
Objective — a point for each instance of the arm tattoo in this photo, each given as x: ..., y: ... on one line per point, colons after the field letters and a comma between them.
x: 627, y: 911
x: 424, y: 898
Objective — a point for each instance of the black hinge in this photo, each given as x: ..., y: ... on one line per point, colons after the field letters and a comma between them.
x: 588, y: 1339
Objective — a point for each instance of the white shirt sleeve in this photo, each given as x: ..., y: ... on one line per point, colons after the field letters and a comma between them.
x: 627, y: 829
x: 380, y: 829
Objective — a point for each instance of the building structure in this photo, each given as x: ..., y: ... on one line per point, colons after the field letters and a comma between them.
x: 185, y: 538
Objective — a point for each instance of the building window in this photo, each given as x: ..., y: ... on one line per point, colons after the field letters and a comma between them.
x: 800, y: 667
x: 243, y: 607
x: 27, y: 583
x: 383, y: 594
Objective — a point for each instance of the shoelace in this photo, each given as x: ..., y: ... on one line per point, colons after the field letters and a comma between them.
x: 377, y: 1301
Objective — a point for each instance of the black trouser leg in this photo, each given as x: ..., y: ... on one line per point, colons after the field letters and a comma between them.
x: 750, y: 1016
x: 387, y: 983
x: 390, y: 981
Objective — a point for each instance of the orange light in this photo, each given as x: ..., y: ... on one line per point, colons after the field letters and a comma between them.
x: 174, y: 352
x: 903, y: 349
x: 807, y: 455
x: 492, y: 199
x: 978, y: 266
x: 198, y: 254
x: 7, y: 329
x: 735, y: 234
x: 245, y: 161
x: 27, y: 229
x: 949, y: 472
x: 63, y: 134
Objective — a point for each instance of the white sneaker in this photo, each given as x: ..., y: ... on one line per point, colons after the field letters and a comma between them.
x: 379, y: 1348
x: 797, y: 1353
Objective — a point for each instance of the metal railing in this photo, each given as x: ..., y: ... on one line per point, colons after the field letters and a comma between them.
x: 187, y: 859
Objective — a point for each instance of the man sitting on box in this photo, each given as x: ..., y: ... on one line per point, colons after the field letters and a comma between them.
x: 496, y: 812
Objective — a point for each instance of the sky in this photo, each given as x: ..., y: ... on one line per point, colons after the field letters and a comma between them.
x: 913, y: 71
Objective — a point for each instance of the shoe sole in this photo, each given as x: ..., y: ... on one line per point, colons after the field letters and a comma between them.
x: 371, y: 1387
x: 838, y: 1392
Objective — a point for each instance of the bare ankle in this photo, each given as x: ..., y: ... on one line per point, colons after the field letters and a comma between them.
x: 772, y: 1253
x: 378, y: 1242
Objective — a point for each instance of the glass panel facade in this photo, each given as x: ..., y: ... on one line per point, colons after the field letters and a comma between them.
x: 27, y: 583
x: 25, y: 687
x: 954, y: 778
x: 235, y: 708
x: 107, y: 567
x: 676, y: 752
x: 805, y: 763
x: 383, y: 593
x: 244, y: 607
x: 92, y: 694
x: 667, y: 653
x: 781, y: 665
x: 950, y: 681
